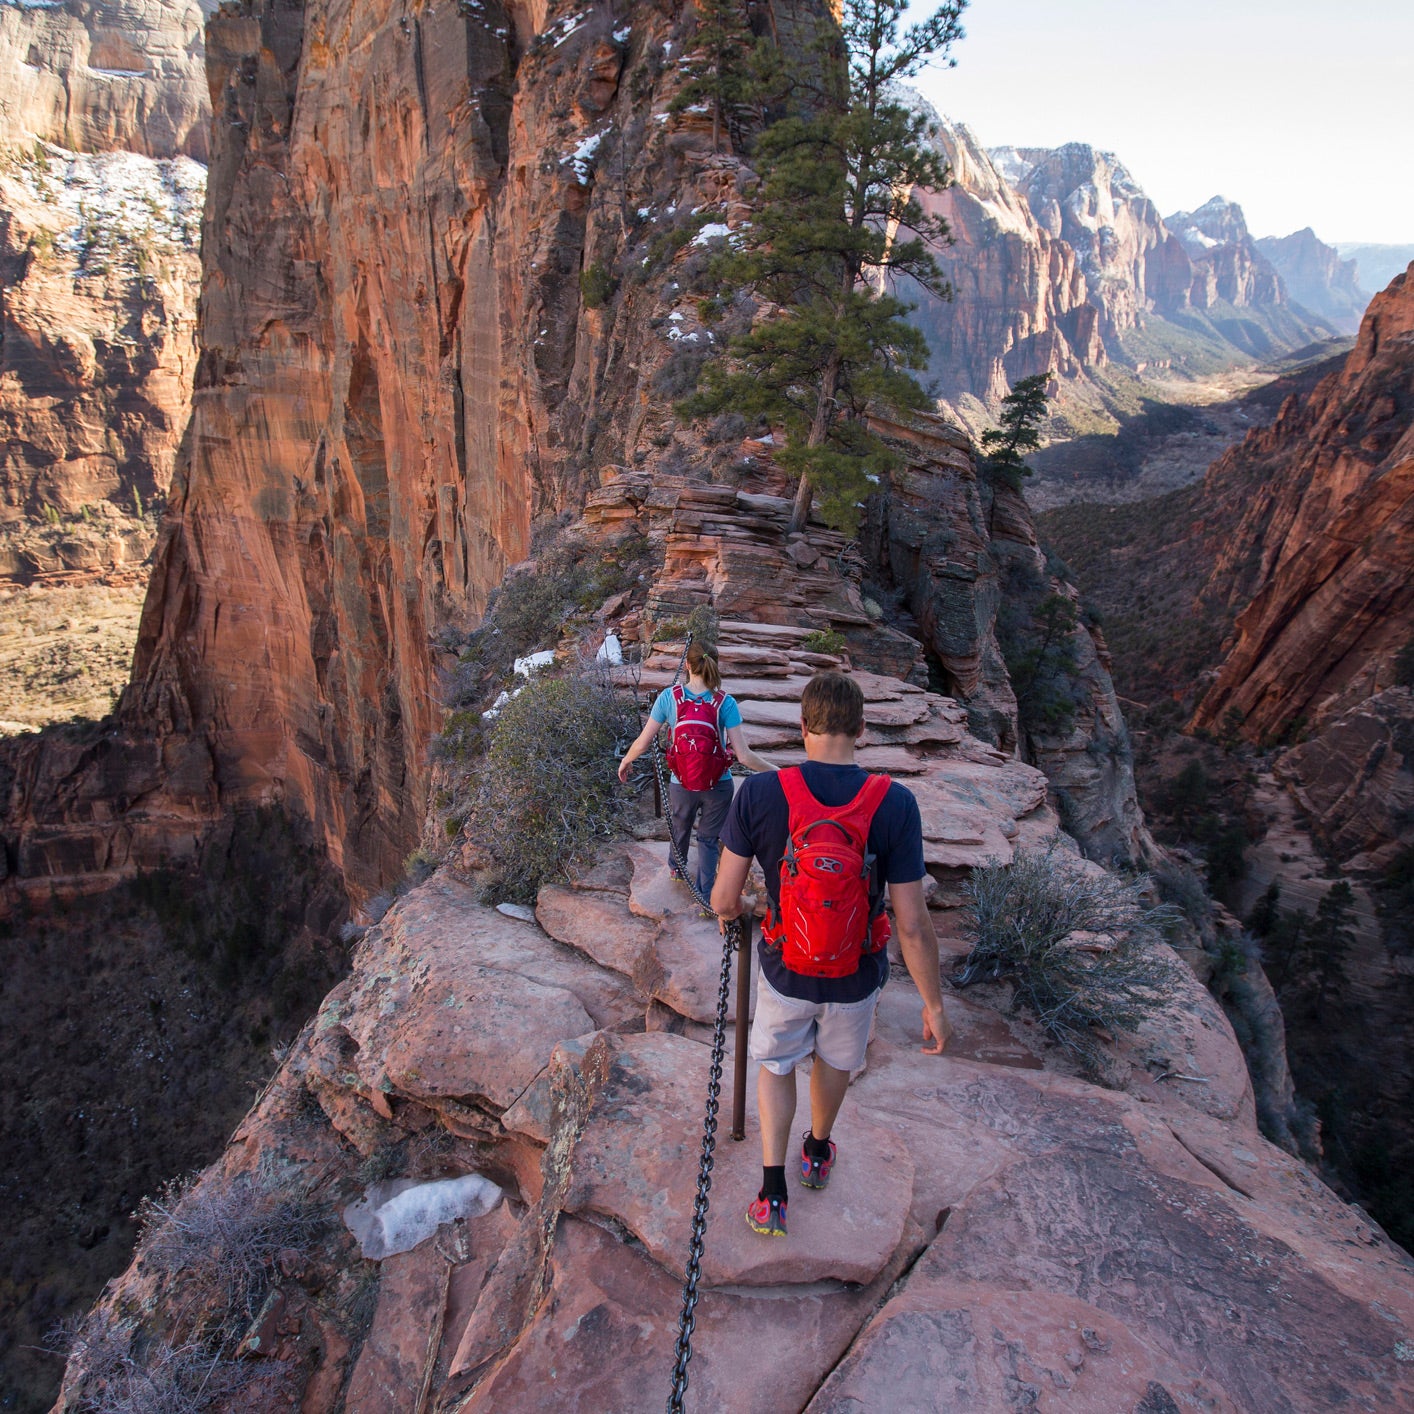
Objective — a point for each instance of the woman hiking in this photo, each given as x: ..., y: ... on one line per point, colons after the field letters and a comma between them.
x: 706, y: 731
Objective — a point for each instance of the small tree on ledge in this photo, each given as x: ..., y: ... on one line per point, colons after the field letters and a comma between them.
x: 836, y: 223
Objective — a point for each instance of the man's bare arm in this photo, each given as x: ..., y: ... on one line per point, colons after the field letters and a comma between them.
x: 749, y: 758
x: 731, y: 878
x: 919, y: 944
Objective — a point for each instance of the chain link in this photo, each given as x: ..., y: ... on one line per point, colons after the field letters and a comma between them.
x: 688, y: 1320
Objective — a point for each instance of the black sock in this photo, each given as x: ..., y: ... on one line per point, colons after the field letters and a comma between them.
x: 773, y: 1181
x: 816, y: 1148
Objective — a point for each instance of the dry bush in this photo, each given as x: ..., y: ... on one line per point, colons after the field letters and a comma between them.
x: 122, y: 1375
x: 1081, y: 950
x: 548, y: 791
x: 219, y: 1239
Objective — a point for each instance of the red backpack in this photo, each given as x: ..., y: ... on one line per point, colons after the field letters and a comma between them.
x: 824, y: 924
x: 698, y: 757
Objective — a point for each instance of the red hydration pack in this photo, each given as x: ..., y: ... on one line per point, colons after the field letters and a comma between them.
x: 823, y: 925
x: 698, y: 757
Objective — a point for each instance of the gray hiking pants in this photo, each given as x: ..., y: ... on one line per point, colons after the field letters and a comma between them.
x: 683, y: 809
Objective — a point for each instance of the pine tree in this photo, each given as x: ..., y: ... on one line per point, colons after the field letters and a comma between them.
x: 1004, y: 447
x: 719, y: 69
x: 836, y: 225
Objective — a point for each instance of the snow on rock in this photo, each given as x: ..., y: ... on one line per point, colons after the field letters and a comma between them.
x: 610, y: 651
x: 528, y: 666
x: 582, y: 158
x: 396, y: 1216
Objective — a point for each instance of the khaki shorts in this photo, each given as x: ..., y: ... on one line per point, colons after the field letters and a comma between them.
x: 785, y: 1030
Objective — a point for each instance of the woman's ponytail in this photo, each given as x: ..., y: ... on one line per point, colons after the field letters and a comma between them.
x: 704, y: 665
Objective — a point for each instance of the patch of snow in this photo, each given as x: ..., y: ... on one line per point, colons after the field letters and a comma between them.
x: 121, y: 73
x: 675, y: 317
x: 397, y: 1216
x: 769, y: 440
x: 583, y: 157
x: 569, y: 24
x: 644, y: 212
x: 661, y: 117
x: 712, y: 231
x: 610, y: 651
x: 667, y: 49
x: 622, y: 34
x: 111, y: 200
x: 34, y: 4
x: 530, y: 664
x: 517, y: 910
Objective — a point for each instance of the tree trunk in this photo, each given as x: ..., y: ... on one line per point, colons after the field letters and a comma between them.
x: 819, y: 430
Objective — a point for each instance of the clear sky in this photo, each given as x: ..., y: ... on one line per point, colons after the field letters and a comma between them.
x: 1301, y: 112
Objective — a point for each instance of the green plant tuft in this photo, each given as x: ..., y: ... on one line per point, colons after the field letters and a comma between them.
x: 548, y: 790
x: 1081, y: 949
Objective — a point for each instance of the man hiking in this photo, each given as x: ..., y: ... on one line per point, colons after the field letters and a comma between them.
x: 706, y: 736
x: 829, y: 837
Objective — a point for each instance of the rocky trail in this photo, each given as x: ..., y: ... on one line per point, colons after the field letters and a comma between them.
x: 1000, y: 1233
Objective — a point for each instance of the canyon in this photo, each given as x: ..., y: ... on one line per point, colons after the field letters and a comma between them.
x: 409, y: 377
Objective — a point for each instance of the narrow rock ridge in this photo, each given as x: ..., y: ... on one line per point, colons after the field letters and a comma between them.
x: 1098, y: 1235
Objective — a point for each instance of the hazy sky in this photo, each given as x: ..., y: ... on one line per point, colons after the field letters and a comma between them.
x: 1301, y: 112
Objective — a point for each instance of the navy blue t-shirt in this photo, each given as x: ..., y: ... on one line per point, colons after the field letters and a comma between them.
x: 757, y: 826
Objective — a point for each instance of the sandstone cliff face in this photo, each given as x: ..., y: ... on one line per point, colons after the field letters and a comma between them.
x: 106, y: 75
x: 1019, y: 305
x: 1130, y: 260
x: 955, y: 550
x: 1062, y: 264
x: 1226, y: 262
x: 98, y: 256
x: 1325, y: 549
x: 399, y: 373
x: 1315, y: 276
x: 104, y: 108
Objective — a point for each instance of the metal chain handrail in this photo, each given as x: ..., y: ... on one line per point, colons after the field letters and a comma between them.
x: 687, y: 1322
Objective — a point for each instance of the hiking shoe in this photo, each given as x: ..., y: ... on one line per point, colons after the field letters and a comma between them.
x: 815, y: 1173
x: 767, y: 1216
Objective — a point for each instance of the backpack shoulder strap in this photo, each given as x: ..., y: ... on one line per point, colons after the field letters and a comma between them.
x: 799, y: 800
x: 859, y: 814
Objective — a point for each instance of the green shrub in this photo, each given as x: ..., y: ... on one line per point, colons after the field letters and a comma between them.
x: 568, y: 577
x: 548, y: 790
x: 1080, y: 948
x: 597, y: 286
x: 823, y: 640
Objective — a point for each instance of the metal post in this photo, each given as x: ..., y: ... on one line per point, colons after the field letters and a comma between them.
x: 743, y: 1005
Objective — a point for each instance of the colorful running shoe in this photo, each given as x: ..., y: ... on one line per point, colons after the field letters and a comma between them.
x: 815, y: 1173
x: 767, y: 1216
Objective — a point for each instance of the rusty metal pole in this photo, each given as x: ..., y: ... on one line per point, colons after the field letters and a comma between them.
x: 743, y: 1005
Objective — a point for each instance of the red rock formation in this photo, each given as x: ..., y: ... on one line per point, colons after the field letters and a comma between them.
x: 1325, y: 550
x: 1130, y: 260
x: 1019, y: 305
x: 103, y: 108
x: 122, y: 75
x: 98, y: 254
x: 1316, y: 276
